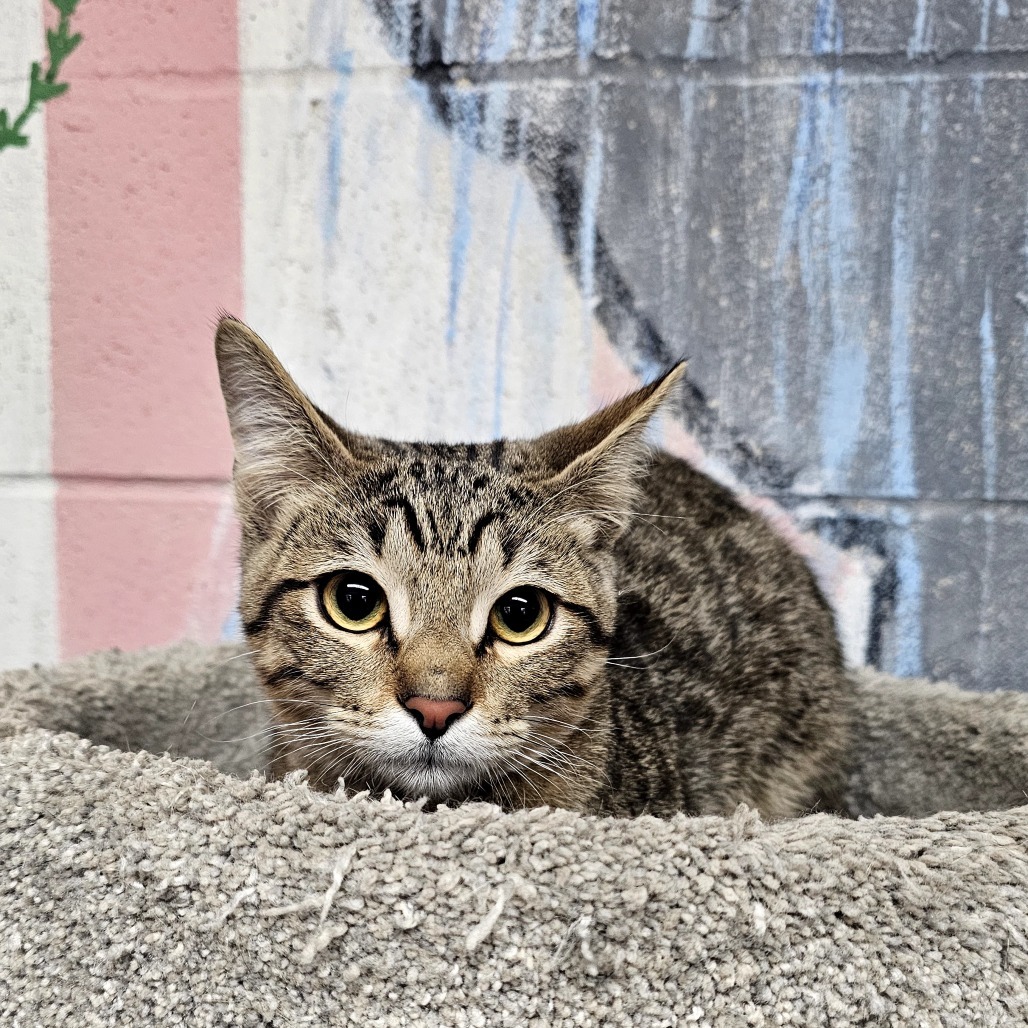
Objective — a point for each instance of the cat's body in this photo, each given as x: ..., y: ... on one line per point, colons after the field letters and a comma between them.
x: 557, y: 621
x: 740, y: 695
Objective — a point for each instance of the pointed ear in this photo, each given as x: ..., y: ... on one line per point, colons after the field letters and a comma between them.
x: 595, y: 465
x: 282, y: 440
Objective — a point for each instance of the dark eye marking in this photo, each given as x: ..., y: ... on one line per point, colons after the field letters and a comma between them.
x: 402, y: 503
x: 566, y: 690
x: 260, y: 622
x: 284, y: 674
x: 596, y: 633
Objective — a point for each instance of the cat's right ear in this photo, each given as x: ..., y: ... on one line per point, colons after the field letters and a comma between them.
x: 282, y: 441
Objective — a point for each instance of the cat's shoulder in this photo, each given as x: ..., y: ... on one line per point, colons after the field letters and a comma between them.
x: 673, y: 487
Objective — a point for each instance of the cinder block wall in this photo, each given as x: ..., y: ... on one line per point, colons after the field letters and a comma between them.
x: 462, y: 218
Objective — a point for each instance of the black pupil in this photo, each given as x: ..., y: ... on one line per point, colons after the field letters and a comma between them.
x: 357, y: 597
x: 519, y: 610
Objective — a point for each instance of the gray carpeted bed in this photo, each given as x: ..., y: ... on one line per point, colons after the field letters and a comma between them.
x: 140, y: 889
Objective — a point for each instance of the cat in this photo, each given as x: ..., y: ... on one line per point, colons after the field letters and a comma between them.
x: 570, y: 621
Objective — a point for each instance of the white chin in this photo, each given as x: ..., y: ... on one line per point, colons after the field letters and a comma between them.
x: 449, y: 769
x: 435, y: 780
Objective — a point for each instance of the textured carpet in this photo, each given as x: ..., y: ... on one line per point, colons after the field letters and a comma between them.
x: 138, y: 889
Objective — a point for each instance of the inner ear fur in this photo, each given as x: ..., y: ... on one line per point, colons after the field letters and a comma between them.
x: 596, y: 463
x: 281, y: 439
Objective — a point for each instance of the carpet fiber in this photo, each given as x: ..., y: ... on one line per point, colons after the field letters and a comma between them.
x: 145, y: 889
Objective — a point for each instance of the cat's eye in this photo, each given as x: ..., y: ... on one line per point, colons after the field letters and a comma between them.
x: 353, y: 601
x: 521, y: 616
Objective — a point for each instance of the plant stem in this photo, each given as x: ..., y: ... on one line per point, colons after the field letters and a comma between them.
x: 43, y: 87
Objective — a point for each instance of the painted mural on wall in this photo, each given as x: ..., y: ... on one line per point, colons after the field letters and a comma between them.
x: 462, y: 218
x: 835, y: 238
x: 43, y: 85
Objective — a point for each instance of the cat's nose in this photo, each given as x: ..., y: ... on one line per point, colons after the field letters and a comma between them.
x: 434, y: 716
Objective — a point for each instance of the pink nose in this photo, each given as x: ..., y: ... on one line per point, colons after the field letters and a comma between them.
x: 434, y: 716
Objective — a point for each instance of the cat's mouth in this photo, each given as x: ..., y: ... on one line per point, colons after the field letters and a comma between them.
x: 433, y: 775
x: 447, y: 768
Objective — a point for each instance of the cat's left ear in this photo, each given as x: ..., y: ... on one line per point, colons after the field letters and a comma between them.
x: 283, y: 442
x: 596, y: 464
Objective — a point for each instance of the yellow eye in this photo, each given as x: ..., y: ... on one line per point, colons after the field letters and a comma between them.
x: 521, y: 616
x: 353, y: 601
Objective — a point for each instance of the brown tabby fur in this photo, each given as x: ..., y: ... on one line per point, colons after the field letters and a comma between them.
x: 691, y: 664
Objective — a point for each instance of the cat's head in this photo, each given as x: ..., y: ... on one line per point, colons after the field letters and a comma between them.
x: 429, y: 618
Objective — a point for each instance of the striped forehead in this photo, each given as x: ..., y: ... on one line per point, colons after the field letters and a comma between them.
x: 445, y: 497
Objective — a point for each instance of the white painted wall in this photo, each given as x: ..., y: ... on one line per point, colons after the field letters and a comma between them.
x: 28, y: 611
x: 366, y: 224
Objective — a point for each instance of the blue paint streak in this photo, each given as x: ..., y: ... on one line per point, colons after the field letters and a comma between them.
x: 908, y: 659
x: 827, y: 36
x: 988, y: 389
x: 401, y: 28
x: 843, y: 403
x: 983, y: 27
x: 588, y: 18
x: 840, y: 412
x: 540, y: 28
x: 797, y: 198
x: 465, y: 125
x: 818, y: 222
x: 501, y: 42
x: 450, y: 13
x: 495, y: 103
x: 901, y: 451
x: 699, y: 25
x: 587, y: 219
x: 504, y: 318
x: 977, y: 92
x: 342, y: 64
x: 918, y: 42
x: 232, y: 627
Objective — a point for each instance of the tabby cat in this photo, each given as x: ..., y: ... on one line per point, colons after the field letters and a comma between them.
x: 570, y: 620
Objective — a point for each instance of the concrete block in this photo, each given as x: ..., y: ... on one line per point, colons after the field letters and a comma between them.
x: 29, y: 597
x: 835, y: 256
x: 145, y: 564
x: 949, y: 600
x: 746, y: 32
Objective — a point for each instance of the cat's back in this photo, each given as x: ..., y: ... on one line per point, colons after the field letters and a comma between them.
x: 726, y: 676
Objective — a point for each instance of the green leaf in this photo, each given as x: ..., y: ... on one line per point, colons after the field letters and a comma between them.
x: 60, y: 44
x: 43, y: 87
x: 40, y: 90
x: 9, y: 136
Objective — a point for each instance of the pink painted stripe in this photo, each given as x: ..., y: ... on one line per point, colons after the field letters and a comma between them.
x: 144, y: 183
